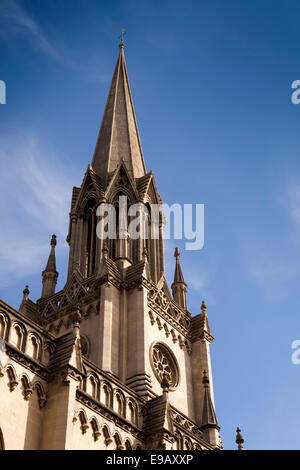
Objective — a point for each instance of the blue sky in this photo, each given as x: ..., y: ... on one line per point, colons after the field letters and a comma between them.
x: 211, y: 82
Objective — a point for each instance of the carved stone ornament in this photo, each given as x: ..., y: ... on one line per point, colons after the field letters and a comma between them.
x: 163, y: 362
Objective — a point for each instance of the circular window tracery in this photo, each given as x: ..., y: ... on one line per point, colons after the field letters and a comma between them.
x: 164, y: 362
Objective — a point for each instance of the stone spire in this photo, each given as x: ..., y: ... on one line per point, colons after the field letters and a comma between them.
x: 178, y: 285
x: 118, y: 139
x: 209, y: 425
x: 239, y: 439
x: 50, y: 274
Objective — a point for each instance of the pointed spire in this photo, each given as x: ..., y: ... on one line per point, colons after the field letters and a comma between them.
x: 118, y: 138
x: 239, y: 439
x: 50, y: 274
x: 179, y: 286
x: 178, y: 276
x: 208, y: 414
x: 51, y: 265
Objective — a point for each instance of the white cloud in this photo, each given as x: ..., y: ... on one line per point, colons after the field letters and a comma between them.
x: 16, y: 20
x: 35, y: 193
x: 293, y: 194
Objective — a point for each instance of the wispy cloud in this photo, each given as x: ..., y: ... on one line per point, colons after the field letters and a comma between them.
x: 35, y: 192
x: 270, y: 256
x: 14, y: 19
x: 293, y: 200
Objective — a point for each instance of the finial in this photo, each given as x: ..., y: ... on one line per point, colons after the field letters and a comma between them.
x: 26, y: 293
x: 76, y: 318
x: 205, y: 379
x: 239, y: 439
x: 121, y: 37
x: 177, y: 253
x: 105, y: 249
x: 203, y: 307
x: 145, y: 253
x: 53, y: 240
x: 164, y: 383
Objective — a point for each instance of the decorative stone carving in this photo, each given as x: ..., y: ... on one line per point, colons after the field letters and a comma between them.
x: 163, y: 362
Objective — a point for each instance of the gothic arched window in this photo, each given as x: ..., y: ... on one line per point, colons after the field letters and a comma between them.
x: 113, y: 252
x: 90, y: 237
x: 132, y: 412
x: 128, y: 446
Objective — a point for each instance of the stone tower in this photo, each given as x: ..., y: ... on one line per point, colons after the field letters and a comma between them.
x: 116, y: 361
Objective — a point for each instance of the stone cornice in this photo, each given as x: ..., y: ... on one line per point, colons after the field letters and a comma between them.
x: 109, y: 414
x: 23, y: 318
x: 27, y: 362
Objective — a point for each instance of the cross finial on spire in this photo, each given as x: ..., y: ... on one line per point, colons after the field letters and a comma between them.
x: 177, y: 253
x: 121, y: 37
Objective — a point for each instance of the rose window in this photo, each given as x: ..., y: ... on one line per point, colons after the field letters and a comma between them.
x: 163, y: 362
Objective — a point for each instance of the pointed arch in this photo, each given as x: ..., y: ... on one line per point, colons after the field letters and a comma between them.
x: 39, y: 389
x: 12, y: 378
x: 26, y: 388
x: 34, y: 346
x: 106, y: 434
x: 118, y: 441
x: 179, y: 441
x: 18, y: 336
x: 188, y: 444
x: 120, y: 402
x: 95, y: 428
x: 128, y: 445
x: 132, y: 411
x: 83, y: 421
x: 92, y: 386
x: 197, y: 446
x: 89, y: 234
x: 107, y: 395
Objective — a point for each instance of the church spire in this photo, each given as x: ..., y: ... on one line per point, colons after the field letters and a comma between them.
x: 118, y: 139
x: 178, y: 285
x: 50, y: 274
